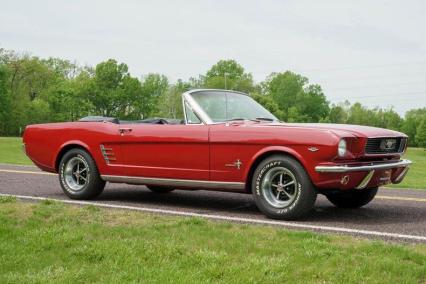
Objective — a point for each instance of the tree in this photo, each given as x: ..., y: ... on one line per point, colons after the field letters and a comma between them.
x: 171, y: 101
x: 268, y: 103
x: 421, y: 134
x: 411, y: 122
x: 29, y: 79
x: 338, y: 113
x: 63, y: 68
x: 154, y: 86
x: 391, y: 119
x: 106, y: 92
x: 228, y: 74
x: 39, y: 111
x: 299, y: 101
x: 4, y: 99
x: 34, y: 90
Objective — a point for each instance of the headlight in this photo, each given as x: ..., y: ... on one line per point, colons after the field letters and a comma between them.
x: 341, y: 150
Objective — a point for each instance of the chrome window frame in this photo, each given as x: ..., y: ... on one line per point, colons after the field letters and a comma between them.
x: 185, y: 103
x: 196, y: 108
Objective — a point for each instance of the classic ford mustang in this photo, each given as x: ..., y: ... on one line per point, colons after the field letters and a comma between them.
x: 226, y: 141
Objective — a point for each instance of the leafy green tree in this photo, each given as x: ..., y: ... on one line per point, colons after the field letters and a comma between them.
x: 358, y: 114
x: 268, y: 103
x: 154, y: 86
x: 338, y: 113
x: 411, y: 123
x: 63, y: 68
x: 4, y: 99
x: 35, y: 90
x: 67, y: 100
x: 39, y: 111
x: 421, y: 134
x: 296, y: 98
x: 390, y: 119
x: 29, y: 79
x: 171, y: 101
x: 106, y: 91
x: 228, y: 74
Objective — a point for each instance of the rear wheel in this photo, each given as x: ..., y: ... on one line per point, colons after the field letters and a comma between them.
x: 353, y: 198
x: 79, y: 175
x: 282, y: 189
x: 160, y: 189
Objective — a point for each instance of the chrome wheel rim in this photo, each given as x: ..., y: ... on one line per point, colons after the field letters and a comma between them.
x: 76, y: 173
x: 279, y: 187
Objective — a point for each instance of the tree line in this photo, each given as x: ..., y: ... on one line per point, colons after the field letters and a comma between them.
x: 37, y: 90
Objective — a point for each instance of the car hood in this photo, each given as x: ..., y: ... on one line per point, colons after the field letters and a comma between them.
x: 342, y: 129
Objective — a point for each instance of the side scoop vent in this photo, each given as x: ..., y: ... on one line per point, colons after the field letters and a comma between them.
x: 108, y: 154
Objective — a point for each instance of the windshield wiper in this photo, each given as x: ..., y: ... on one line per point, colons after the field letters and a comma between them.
x: 264, y: 118
x: 233, y: 119
x: 255, y: 119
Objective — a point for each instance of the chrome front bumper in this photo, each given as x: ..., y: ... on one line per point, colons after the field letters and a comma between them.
x: 371, y: 167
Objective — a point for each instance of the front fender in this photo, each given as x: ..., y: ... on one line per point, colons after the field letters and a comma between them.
x: 270, y: 150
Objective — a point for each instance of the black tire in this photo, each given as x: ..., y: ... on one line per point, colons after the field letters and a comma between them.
x: 88, y: 183
x: 160, y: 189
x: 352, y: 199
x: 302, y: 190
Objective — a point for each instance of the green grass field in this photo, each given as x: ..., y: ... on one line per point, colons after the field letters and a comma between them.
x: 51, y: 242
x: 416, y: 177
x: 11, y: 153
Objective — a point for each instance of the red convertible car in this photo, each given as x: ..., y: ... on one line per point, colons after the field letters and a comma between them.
x: 226, y: 141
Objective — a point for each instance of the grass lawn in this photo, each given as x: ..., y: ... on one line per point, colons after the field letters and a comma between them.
x: 416, y: 177
x: 11, y: 153
x: 53, y: 242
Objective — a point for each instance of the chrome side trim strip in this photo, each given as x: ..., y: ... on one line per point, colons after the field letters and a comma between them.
x: 347, y: 168
x: 363, y: 184
x: 174, y: 182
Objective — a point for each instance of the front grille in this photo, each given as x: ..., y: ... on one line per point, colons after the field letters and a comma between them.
x: 385, y: 145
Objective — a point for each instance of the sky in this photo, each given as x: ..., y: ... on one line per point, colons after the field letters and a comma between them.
x: 373, y: 52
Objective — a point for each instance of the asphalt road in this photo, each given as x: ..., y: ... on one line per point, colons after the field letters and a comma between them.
x: 395, y: 214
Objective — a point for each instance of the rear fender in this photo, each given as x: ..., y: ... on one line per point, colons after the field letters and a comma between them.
x: 67, y: 146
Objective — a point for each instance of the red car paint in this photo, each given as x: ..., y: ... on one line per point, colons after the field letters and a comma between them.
x: 210, y: 152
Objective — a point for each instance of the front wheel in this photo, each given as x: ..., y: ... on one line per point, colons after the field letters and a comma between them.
x: 79, y: 175
x: 282, y: 189
x: 352, y: 199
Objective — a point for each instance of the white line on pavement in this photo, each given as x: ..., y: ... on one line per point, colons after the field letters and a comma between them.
x: 26, y: 172
x: 17, y: 165
x: 233, y: 219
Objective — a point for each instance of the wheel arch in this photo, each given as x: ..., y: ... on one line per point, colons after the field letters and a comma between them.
x: 265, y: 153
x: 68, y: 146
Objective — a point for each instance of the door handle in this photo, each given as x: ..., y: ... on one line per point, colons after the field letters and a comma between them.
x: 124, y: 130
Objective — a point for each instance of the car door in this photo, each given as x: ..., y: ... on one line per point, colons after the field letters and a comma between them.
x: 166, y: 150
x: 230, y: 153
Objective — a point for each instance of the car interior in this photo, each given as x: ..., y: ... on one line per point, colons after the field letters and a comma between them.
x: 155, y: 120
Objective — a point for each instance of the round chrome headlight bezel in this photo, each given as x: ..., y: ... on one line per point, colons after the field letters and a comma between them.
x: 342, y: 148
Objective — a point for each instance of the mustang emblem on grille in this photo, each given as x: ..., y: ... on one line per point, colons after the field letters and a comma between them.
x: 388, y: 144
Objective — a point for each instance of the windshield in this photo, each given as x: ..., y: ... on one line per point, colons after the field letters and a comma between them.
x: 224, y: 106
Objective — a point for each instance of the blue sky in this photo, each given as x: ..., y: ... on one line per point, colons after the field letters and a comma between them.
x: 368, y: 51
